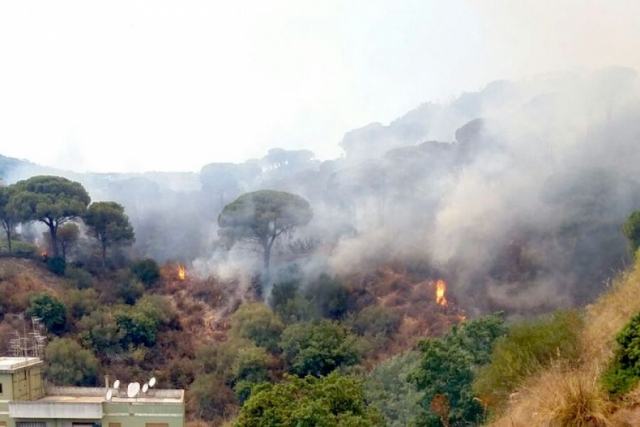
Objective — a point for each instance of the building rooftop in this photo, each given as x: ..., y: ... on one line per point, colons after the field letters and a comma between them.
x: 98, y: 395
x: 9, y: 364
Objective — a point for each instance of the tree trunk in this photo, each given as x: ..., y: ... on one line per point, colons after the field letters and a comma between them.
x: 53, y: 230
x: 104, y: 255
x: 266, y: 257
x: 7, y: 229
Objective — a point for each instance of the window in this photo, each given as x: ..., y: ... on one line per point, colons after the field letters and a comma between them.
x: 31, y: 424
x: 114, y: 424
x: 156, y: 425
x: 0, y: 388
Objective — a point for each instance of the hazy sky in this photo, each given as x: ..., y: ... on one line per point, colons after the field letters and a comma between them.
x: 173, y: 85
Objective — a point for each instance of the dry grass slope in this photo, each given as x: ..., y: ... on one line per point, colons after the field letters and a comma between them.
x: 563, y: 396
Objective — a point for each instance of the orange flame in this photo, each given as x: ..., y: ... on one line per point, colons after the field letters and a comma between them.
x: 182, y: 272
x: 441, y: 288
x: 43, y: 251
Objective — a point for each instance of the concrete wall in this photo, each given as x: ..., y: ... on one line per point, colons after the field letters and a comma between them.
x: 7, y: 387
x: 138, y: 414
x: 55, y: 410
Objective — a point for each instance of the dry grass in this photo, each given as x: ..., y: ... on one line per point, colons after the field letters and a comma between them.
x: 607, y: 316
x: 573, y: 397
x: 559, y: 397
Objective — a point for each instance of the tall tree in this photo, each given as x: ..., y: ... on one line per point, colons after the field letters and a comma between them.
x: 68, y: 235
x: 8, y: 218
x: 52, y: 200
x: 260, y: 217
x: 108, y: 223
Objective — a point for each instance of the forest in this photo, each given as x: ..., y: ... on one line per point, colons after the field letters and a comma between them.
x: 416, y: 280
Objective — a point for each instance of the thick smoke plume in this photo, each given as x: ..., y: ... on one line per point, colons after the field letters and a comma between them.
x: 515, y: 194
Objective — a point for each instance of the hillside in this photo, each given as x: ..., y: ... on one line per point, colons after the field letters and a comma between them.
x: 389, y: 310
x: 567, y: 396
x: 458, y: 226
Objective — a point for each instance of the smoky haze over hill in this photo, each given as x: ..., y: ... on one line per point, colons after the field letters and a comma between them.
x: 515, y: 194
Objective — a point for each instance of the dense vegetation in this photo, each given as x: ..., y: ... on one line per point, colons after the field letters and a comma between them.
x: 339, y: 319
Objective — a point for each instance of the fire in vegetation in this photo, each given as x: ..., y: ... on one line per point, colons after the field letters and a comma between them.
x: 43, y: 250
x: 182, y: 272
x: 441, y: 289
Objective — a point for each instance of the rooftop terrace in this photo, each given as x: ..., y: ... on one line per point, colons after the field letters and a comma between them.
x: 9, y: 364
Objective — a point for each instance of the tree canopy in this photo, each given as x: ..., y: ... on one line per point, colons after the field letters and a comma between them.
x: 260, y: 217
x: 318, y: 348
x: 70, y: 364
x: 108, y: 223
x: 447, y: 369
x: 332, y: 401
x: 256, y: 322
x: 51, y: 311
x: 52, y: 200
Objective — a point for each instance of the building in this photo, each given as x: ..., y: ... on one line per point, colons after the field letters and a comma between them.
x: 25, y: 401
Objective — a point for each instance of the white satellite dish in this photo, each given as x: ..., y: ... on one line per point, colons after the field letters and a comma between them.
x: 152, y: 382
x: 109, y: 394
x: 116, y: 384
x: 145, y: 388
x: 133, y: 389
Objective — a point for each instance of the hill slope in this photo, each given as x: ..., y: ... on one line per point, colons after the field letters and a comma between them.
x: 573, y: 396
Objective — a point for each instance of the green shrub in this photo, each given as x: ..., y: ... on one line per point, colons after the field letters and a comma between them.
x: 447, y: 368
x: 51, y: 311
x: 624, y: 370
x: 330, y: 297
x: 81, y: 302
x: 332, y: 401
x: 70, y: 364
x: 129, y: 290
x: 147, y: 271
x: 56, y: 265
x: 82, y: 279
x: 528, y: 347
x: 374, y: 320
x: 387, y: 387
x: 318, y: 348
x: 256, y: 322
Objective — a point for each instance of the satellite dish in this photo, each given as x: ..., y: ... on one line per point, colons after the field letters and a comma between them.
x: 152, y: 382
x: 109, y: 394
x: 133, y: 389
x: 145, y: 388
x: 116, y: 384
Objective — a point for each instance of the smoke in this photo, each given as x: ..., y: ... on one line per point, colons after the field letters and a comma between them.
x: 516, y: 193
x: 526, y: 212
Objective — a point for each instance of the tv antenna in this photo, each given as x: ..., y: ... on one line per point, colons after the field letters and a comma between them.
x: 109, y: 394
x: 28, y: 344
x: 152, y: 382
x: 116, y: 384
